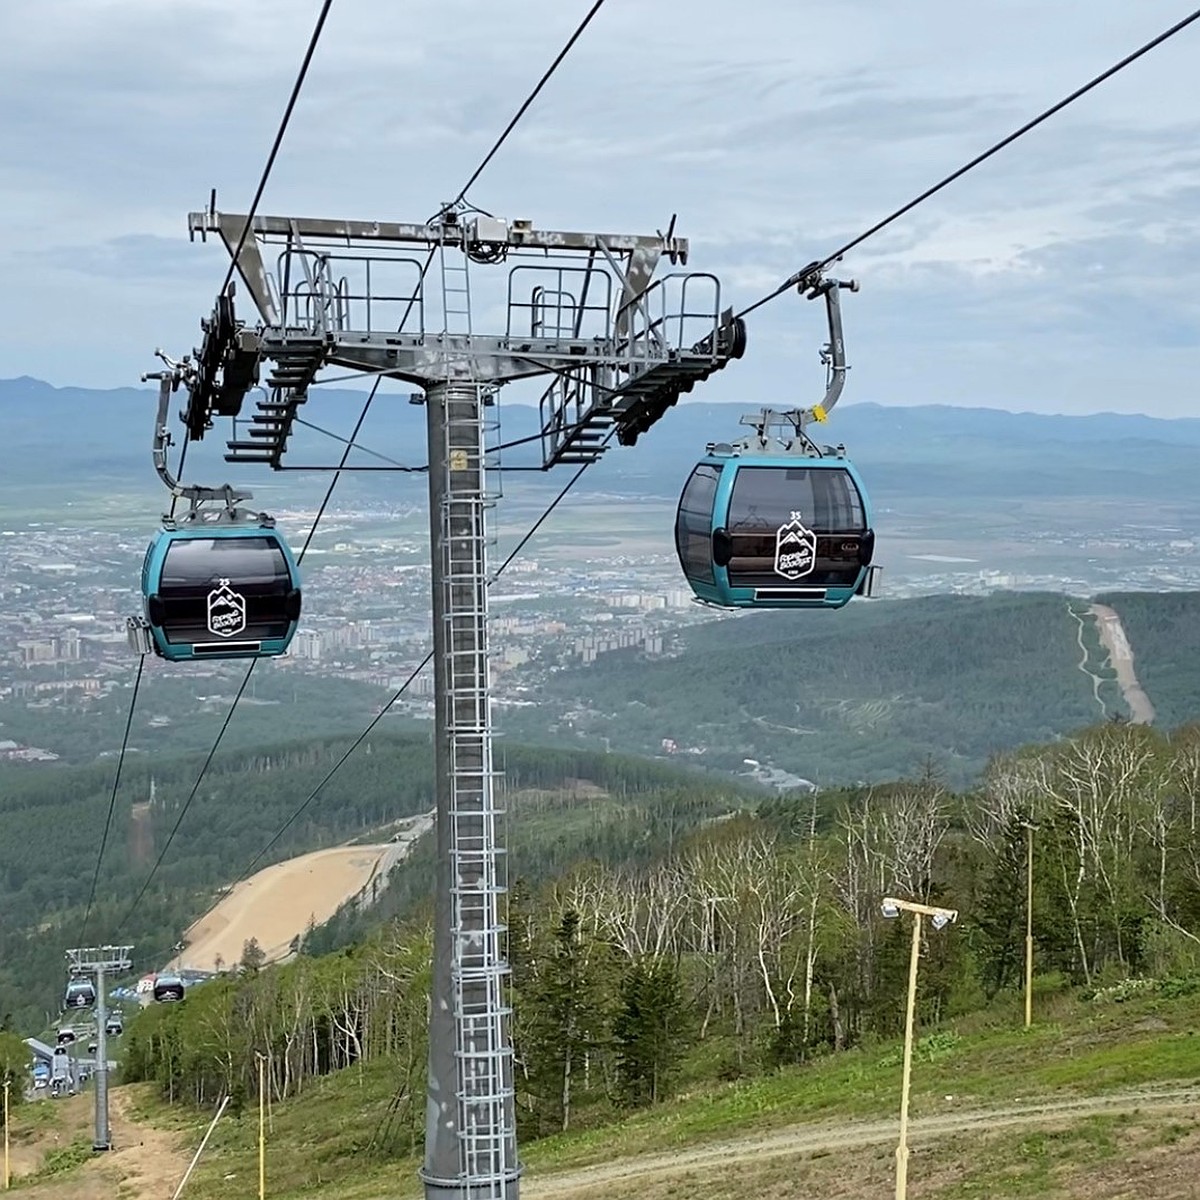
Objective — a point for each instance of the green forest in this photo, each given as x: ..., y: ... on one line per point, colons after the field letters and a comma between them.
x: 748, y: 943
x: 180, y: 712
x: 863, y: 695
x: 570, y: 805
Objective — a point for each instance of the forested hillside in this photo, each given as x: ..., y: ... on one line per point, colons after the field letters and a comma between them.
x: 571, y: 805
x: 751, y: 943
x: 865, y: 694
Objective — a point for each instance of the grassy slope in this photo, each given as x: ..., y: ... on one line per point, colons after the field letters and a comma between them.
x: 1075, y: 1050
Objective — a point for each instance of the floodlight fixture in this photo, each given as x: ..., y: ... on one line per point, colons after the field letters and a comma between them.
x: 941, y: 919
x: 890, y: 909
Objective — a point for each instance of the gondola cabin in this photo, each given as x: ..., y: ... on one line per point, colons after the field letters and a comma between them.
x: 220, y: 591
x: 781, y: 530
x: 65, y: 1036
x: 80, y: 993
x: 168, y: 988
x: 114, y: 1027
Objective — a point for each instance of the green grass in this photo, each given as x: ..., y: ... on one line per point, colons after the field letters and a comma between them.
x: 1089, y: 1052
x: 326, y: 1138
x: 332, y: 1134
x: 1030, y: 1163
x: 1047, y: 1162
x: 68, y: 1158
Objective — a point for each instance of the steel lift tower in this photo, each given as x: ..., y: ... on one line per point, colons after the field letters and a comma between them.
x: 620, y: 348
x: 100, y: 961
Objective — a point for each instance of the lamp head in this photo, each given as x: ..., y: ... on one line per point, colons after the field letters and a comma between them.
x: 889, y: 909
x: 942, y: 918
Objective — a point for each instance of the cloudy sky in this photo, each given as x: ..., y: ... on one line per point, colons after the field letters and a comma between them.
x: 1059, y: 277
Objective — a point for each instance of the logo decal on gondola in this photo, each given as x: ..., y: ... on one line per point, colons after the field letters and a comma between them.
x: 226, y: 610
x: 795, y: 549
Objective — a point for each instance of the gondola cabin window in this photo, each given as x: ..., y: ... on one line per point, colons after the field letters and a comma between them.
x: 196, y: 604
x: 694, y: 523
x: 794, y: 523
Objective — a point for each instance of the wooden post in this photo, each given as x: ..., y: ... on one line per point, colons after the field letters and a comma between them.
x: 7, y: 1175
x: 262, y: 1130
x: 1028, y: 926
x: 902, y: 1146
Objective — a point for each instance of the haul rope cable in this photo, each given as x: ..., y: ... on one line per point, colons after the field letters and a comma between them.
x: 112, y: 800
x: 816, y: 268
x: 262, y: 183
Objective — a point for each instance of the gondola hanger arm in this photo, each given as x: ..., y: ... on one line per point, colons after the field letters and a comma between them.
x: 168, y: 381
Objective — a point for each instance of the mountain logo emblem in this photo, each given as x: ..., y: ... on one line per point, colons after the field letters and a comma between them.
x: 795, y: 549
x: 226, y: 610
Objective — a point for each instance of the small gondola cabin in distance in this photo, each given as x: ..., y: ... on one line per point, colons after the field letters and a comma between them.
x: 80, y: 993
x: 168, y: 988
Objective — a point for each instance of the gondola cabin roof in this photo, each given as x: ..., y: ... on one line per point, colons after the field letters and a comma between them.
x: 774, y: 530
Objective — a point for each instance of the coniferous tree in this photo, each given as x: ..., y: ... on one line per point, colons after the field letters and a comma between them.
x: 564, y: 1015
x: 649, y: 1031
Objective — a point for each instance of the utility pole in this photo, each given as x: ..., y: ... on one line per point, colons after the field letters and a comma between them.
x: 620, y: 348
x: 262, y: 1128
x: 1029, y: 831
x: 7, y: 1175
x: 939, y: 918
x: 97, y: 961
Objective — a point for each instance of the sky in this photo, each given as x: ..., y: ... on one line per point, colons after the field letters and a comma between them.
x: 1057, y: 277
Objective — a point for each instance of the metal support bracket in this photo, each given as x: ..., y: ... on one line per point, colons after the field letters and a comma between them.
x: 225, y: 369
x: 833, y: 357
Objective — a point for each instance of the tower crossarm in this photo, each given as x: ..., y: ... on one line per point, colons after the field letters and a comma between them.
x: 583, y: 307
x: 100, y: 958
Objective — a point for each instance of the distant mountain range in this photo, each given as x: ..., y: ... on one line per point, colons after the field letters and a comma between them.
x: 78, y: 437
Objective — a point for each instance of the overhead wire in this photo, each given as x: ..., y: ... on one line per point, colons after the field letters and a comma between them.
x: 233, y: 259
x: 278, y: 142
x: 816, y: 267
x: 526, y: 103
x: 112, y: 800
x: 162, y: 854
x: 246, y: 678
x: 799, y: 277
x: 396, y: 465
x: 564, y: 431
x: 358, y: 741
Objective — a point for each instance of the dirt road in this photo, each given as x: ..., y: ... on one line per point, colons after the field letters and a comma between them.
x: 1083, y: 662
x: 605, y: 1179
x: 145, y: 1163
x: 279, y: 902
x: 1112, y: 634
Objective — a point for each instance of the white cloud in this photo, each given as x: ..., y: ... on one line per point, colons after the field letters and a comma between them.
x: 776, y: 130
